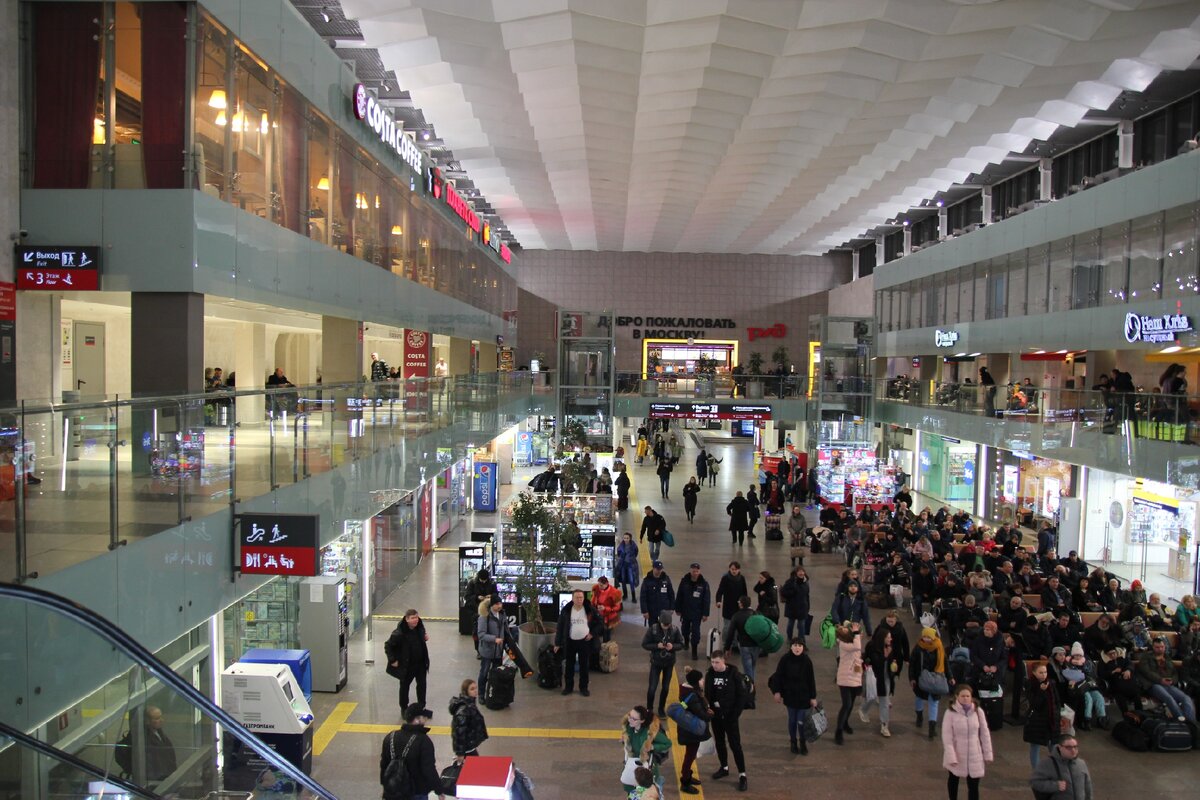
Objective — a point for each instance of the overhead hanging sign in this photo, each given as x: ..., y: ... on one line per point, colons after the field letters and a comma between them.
x: 278, y: 544
x: 386, y: 128
x: 943, y: 338
x: 61, y: 269
x: 444, y: 190
x: 1161, y: 329
x: 708, y: 411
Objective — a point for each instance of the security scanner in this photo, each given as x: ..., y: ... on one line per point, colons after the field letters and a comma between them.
x: 268, y: 701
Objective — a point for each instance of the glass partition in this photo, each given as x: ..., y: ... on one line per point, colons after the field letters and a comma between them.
x: 1181, y: 273
x: 1146, y: 258
x: 1061, y: 274
x: 1037, y: 291
x: 1114, y: 262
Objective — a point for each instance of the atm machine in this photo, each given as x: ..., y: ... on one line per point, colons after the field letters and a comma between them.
x: 268, y: 701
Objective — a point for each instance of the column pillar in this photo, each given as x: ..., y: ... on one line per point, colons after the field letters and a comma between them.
x: 854, y: 268
x: 907, y: 240
x: 987, y: 206
x: 1046, y: 174
x: 39, y: 358
x: 341, y: 350
x: 880, y: 251
x: 1125, y: 144
x: 167, y: 343
x: 943, y: 221
x: 250, y: 364
x: 459, y: 359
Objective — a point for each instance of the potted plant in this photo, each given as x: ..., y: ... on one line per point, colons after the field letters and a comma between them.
x: 754, y: 381
x: 706, y: 376
x: 780, y: 359
x: 542, y: 542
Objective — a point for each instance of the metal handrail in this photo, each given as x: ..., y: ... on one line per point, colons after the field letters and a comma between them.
x: 50, y: 751
x: 141, y: 656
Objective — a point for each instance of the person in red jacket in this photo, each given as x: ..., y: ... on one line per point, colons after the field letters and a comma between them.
x: 606, y: 598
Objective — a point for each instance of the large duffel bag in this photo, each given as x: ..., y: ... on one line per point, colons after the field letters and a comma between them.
x: 501, y: 687
x: 764, y: 632
x: 1168, y: 735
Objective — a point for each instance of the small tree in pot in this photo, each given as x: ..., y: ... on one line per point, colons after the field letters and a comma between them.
x: 543, y: 543
x: 754, y: 381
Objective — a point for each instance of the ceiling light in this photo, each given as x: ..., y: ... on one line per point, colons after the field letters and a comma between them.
x: 976, y: 355
x: 325, y: 14
x: 1172, y: 349
x: 425, y: 135
x: 217, y: 99
x: 1062, y: 352
x: 221, y: 119
x: 385, y: 86
x: 941, y: 203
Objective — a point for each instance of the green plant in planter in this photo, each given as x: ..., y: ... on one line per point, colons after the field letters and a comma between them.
x: 780, y: 358
x: 706, y: 367
x: 541, y: 556
x: 574, y: 475
x: 574, y: 434
x: 755, y: 363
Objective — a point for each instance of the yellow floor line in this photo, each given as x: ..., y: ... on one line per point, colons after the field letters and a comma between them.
x: 520, y: 733
x: 330, y: 727
x: 423, y: 618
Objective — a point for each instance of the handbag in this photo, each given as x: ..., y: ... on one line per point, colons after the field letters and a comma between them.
x: 870, y: 688
x: 668, y: 539
x: 396, y: 672
x: 815, y: 723
x: 450, y: 778
x: 933, y: 683
x: 627, y: 775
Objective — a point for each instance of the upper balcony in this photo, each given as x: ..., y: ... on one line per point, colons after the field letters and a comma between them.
x: 1143, y: 434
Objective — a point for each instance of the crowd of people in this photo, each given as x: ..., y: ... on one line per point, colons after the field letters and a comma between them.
x: 999, y: 620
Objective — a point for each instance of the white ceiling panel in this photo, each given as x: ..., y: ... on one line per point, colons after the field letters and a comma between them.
x: 753, y: 125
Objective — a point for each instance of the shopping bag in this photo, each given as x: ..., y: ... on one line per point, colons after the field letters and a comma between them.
x: 627, y: 775
x: 815, y: 724
x: 668, y: 539
x: 707, y: 748
x: 870, y: 688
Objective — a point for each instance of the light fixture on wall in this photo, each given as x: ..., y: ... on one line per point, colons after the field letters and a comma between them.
x: 397, y: 230
x: 323, y: 184
x: 217, y: 99
x: 325, y: 15
x: 221, y: 119
x: 98, y: 131
x: 264, y: 124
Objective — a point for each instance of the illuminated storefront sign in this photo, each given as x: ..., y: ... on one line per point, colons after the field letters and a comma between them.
x: 943, y: 338
x: 1155, y: 329
x: 441, y: 189
x: 386, y: 128
x: 708, y: 411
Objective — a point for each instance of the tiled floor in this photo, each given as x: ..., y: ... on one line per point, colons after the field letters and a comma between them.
x: 905, y: 766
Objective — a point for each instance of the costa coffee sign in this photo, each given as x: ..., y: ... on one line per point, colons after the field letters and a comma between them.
x: 416, y: 354
x: 386, y: 128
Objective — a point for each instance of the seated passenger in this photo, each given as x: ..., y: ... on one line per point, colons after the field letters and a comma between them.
x: 1158, y: 679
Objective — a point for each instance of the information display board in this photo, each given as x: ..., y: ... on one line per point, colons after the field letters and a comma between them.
x: 717, y: 411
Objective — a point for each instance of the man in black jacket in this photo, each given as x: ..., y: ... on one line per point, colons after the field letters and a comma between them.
x: 693, y: 601
x: 420, y: 759
x: 731, y: 587
x: 663, y: 641
x: 653, y: 526
x: 657, y: 594
x: 578, y: 624
x: 408, y: 656
x: 726, y: 695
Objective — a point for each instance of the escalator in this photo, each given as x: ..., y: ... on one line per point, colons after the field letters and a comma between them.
x: 147, y: 729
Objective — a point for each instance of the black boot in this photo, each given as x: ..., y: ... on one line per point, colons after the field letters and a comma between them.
x: 795, y: 746
x: 920, y: 718
x: 932, y: 729
x: 837, y: 737
x: 803, y: 747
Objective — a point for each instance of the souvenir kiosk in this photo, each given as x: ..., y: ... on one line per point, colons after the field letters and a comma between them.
x: 473, y: 556
x: 593, y: 514
x: 855, y: 478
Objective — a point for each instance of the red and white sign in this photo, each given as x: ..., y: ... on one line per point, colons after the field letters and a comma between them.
x: 426, y: 514
x: 8, y: 301
x: 777, y: 331
x: 444, y: 190
x: 416, y: 354
x: 486, y: 777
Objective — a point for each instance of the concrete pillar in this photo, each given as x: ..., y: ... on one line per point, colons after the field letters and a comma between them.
x: 907, y: 240
x: 854, y: 267
x: 250, y: 364
x: 167, y: 343
x: 459, y: 358
x: 341, y: 350
x: 39, y: 358
x: 943, y: 222
x: 880, y: 251
x: 487, y: 357
x: 1046, y: 174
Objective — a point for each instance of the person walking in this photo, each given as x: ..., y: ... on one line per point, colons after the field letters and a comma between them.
x: 1042, y: 724
x: 713, y: 469
x: 768, y: 596
x: 726, y: 695
x: 966, y: 743
x: 468, y: 729
x: 663, y: 640
x: 664, y: 474
x: 702, y: 465
x: 658, y: 593
x: 690, y: 490
x: 755, y: 513
x: 851, y: 606
x: 408, y: 656
x: 644, y: 737
x: 1064, y: 775
x: 693, y: 603
x: 625, y: 567
x: 411, y: 743
x: 653, y: 526
x: 882, y: 662
x: 731, y: 587
x: 928, y: 657
x: 795, y: 594
x: 489, y: 633
x: 746, y: 645
x: 739, y: 518
x: 691, y: 697
x: 849, y: 675
x: 794, y: 684
x: 622, y: 484
x: 578, y: 625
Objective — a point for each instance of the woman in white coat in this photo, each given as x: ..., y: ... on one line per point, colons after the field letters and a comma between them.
x: 966, y: 743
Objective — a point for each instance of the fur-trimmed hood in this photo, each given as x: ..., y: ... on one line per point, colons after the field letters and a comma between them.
x: 652, y: 728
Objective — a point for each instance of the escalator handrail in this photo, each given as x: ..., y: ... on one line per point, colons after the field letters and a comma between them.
x: 146, y: 659
x: 50, y: 751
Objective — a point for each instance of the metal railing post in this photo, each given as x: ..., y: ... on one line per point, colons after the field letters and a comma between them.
x: 22, y: 552
x: 114, y: 524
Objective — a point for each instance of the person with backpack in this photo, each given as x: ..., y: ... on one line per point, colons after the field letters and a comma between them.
x: 796, y: 607
x: 467, y: 727
x: 407, y: 764
x: 731, y: 587
x: 691, y: 698
x: 663, y: 640
x: 644, y: 737
x: 489, y: 631
x: 725, y: 692
x: 713, y: 469
x: 794, y: 684
x: 746, y: 644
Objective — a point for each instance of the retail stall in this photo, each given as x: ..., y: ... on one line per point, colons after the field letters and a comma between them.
x: 855, y: 477
x: 946, y: 470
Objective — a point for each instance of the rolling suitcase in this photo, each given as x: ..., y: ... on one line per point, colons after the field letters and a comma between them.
x: 501, y: 687
x: 993, y: 708
x: 549, y: 668
x: 609, y: 657
x: 714, y: 642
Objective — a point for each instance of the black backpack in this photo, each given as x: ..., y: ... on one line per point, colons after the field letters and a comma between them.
x: 397, y: 778
x: 549, y: 671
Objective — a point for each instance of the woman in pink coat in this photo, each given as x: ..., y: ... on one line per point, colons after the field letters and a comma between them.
x: 849, y: 674
x: 966, y: 743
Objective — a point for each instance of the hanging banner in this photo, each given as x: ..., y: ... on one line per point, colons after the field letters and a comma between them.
x: 484, y: 496
x: 416, y: 354
x: 425, y: 521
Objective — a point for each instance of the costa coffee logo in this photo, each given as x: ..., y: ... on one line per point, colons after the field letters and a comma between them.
x: 417, y: 339
x: 360, y: 101
x: 384, y: 125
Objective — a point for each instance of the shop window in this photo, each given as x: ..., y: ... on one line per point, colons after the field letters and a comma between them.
x: 1113, y: 259
x: 997, y: 288
x: 1037, y: 290
x: 980, y: 304
x: 1181, y: 275
x: 1146, y: 257
x: 966, y: 293
x: 1061, y: 274
x: 320, y: 181
x: 252, y: 137
x: 952, y: 299
x: 290, y: 174
x: 213, y: 108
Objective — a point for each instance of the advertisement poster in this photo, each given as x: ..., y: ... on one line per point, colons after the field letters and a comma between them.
x: 425, y: 518
x: 416, y: 354
x: 1011, y: 474
x: 484, y: 493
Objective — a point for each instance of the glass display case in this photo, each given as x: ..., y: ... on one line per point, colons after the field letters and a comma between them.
x: 266, y: 618
x: 343, y: 558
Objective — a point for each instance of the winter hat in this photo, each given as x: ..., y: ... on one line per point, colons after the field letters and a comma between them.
x: 1076, y: 649
x: 664, y: 618
x: 1058, y: 650
x: 693, y: 678
x: 1135, y: 585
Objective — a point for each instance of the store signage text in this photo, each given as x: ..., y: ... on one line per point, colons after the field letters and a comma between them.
x: 943, y: 338
x: 708, y: 411
x: 385, y: 127
x: 444, y: 190
x: 416, y: 354
x: 57, y: 268
x: 494, y: 242
x: 1155, y: 329
x: 278, y: 544
x: 673, y: 327
x: 777, y: 331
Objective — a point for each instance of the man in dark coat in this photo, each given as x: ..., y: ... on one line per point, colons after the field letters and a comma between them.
x: 653, y: 526
x: 731, y: 587
x: 726, y: 695
x: 408, y: 656
x: 160, y: 751
x: 420, y: 759
x: 657, y: 593
x: 693, y: 603
x: 578, y: 625
x: 739, y: 518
